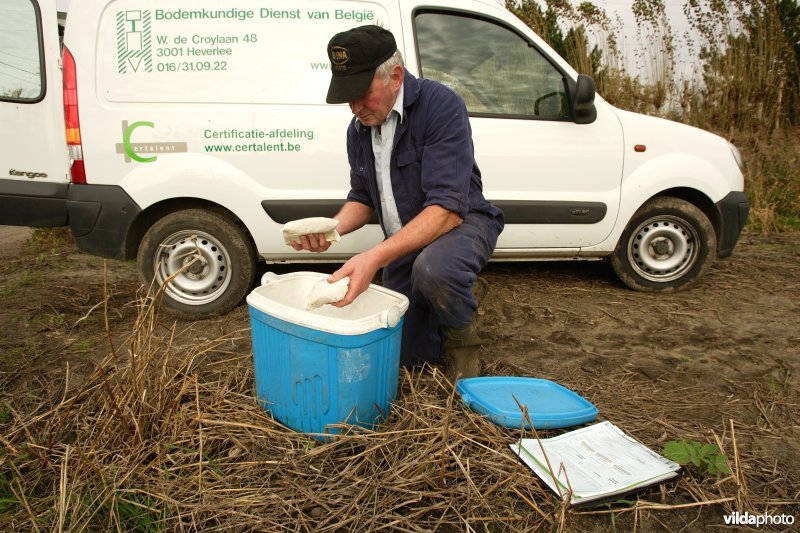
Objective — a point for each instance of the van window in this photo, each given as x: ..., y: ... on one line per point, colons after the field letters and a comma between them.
x: 20, y: 59
x: 494, y: 69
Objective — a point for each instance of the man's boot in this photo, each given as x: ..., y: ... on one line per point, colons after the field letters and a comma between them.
x: 462, y: 352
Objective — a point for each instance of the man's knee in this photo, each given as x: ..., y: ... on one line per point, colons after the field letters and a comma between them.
x: 428, y: 272
x: 439, y: 277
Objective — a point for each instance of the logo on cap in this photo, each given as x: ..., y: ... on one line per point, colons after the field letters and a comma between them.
x: 339, y: 55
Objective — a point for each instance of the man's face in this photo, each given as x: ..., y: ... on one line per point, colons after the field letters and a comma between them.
x: 373, y: 108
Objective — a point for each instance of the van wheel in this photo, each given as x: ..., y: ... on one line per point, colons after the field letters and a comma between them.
x: 668, y: 245
x: 204, y: 261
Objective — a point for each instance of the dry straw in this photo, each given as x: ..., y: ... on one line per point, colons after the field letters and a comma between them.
x: 171, y: 438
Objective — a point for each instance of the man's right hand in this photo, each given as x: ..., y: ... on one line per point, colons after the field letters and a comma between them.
x: 314, y: 242
x: 361, y: 270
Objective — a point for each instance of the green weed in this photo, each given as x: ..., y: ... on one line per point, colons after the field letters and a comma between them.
x: 29, y: 278
x: 87, y: 344
x: 51, y: 238
x: 7, y: 499
x: 138, y: 513
x: 25, y: 279
x: 699, y: 454
x: 52, y: 320
x: 26, y: 352
x: 5, y: 413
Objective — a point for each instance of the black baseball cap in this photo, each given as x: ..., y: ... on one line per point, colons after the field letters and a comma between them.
x: 355, y: 55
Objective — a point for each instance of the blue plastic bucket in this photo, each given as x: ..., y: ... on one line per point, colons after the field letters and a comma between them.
x: 326, y: 366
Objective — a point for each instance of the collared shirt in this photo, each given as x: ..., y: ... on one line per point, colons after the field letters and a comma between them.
x: 382, y: 142
x: 432, y: 161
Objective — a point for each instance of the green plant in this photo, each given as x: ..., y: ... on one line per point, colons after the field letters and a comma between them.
x: 52, y: 238
x: 29, y: 278
x: 7, y: 498
x: 83, y: 345
x: 698, y: 454
x: 138, y: 513
x: 5, y: 413
x: 26, y: 277
x: 21, y: 354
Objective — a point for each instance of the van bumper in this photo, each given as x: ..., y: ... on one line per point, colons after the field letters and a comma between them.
x: 100, y: 217
x: 32, y: 203
x: 732, y: 211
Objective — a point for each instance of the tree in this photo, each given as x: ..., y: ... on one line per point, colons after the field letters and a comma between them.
x: 789, y: 14
x: 750, y: 63
x: 574, y: 47
x: 544, y: 23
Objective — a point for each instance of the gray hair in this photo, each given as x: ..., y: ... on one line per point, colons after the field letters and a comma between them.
x: 385, y: 68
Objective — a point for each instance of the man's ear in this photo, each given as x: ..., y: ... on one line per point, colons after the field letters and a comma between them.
x: 396, y: 77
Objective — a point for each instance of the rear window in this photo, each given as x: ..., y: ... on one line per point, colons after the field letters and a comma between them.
x: 21, y: 77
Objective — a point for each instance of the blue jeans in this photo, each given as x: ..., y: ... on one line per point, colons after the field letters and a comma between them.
x: 438, y: 283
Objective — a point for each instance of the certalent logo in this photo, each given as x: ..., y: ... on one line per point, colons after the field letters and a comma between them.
x: 758, y: 520
x: 136, y: 151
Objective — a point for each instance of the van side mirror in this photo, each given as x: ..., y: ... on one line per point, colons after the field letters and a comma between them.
x: 583, y: 110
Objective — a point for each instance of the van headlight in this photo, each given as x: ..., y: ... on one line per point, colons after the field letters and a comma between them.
x: 737, y: 155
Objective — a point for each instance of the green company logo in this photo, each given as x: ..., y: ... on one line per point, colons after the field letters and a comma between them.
x: 134, y: 51
x: 135, y: 151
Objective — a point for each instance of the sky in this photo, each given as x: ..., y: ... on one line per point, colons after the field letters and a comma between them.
x: 623, y: 9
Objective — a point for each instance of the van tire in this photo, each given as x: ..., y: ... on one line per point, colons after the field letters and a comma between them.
x: 220, y: 276
x: 668, y: 245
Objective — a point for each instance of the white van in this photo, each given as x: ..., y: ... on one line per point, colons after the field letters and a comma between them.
x: 195, y: 129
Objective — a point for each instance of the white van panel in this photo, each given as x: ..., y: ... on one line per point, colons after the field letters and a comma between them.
x: 189, y: 53
x: 541, y: 160
x: 167, y: 130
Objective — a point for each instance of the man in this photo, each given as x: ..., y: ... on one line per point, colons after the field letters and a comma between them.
x: 411, y: 158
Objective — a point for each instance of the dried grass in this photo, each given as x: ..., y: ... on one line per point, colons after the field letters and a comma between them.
x: 170, y: 437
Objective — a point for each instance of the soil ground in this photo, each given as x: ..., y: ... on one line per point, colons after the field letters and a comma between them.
x: 720, y: 361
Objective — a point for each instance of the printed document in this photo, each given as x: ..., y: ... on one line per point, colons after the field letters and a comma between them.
x: 594, y: 462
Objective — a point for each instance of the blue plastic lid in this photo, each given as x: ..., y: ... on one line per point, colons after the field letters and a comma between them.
x: 549, y: 404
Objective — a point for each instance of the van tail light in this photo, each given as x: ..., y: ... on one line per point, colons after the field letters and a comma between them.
x: 71, y: 120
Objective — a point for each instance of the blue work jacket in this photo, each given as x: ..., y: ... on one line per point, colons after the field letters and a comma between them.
x: 432, y: 161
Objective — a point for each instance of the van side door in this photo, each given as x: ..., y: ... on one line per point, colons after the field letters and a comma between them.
x: 557, y: 181
x: 33, y: 158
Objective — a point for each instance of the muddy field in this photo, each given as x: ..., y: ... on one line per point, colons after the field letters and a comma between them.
x: 719, y: 363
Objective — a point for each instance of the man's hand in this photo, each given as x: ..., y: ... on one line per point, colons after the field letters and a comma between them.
x: 314, y: 242
x: 433, y: 222
x: 351, y: 216
x: 361, y: 269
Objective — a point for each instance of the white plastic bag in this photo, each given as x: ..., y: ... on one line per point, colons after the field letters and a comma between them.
x: 292, y: 231
x: 325, y: 293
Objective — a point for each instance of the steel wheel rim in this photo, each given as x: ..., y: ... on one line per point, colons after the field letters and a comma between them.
x: 663, y: 248
x: 198, y: 265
